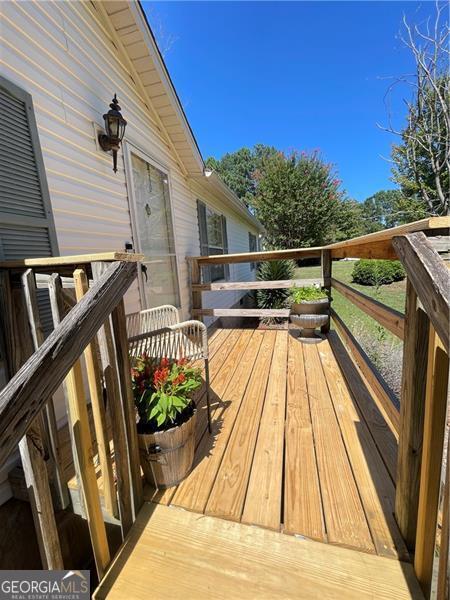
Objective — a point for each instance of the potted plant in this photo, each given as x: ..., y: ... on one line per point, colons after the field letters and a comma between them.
x: 163, y: 392
x: 309, y: 309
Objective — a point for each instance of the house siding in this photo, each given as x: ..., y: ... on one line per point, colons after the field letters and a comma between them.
x: 63, y: 54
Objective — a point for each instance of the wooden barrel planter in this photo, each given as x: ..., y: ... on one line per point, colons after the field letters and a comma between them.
x: 167, y: 456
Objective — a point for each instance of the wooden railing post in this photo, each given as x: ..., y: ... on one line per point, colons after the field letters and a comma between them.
x: 98, y: 407
x: 48, y: 419
x: 430, y: 475
x: 412, y: 410
x: 82, y: 445
x: 326, y: 276
x: 196, y: 278
x: 114, y: 352
x: 129, y: 410
x: 18, y: 349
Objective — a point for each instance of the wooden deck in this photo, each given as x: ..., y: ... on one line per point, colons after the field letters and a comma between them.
x: 294, y: 447
x: 172, y: 553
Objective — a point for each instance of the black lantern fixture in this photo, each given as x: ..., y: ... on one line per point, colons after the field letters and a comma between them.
x: 115, y: 128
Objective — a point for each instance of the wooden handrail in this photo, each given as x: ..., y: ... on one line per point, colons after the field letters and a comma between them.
x: 388, y: 317
x: 430, y: 278
x: 70, y: 260
x: 388, y: 234
x: 227, y: 259
x: 28, y: 391
x: 385, y: 396
x: 221, y: 286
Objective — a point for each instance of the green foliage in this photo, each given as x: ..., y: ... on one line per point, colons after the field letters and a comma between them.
x: 163, y: 390
x: 421, y: 166
x: 307, y: 293
x: 377, y: 272
x: 240, y: 169
x: 349, y: 220
x: 297, y: 200
x: 274, y: 270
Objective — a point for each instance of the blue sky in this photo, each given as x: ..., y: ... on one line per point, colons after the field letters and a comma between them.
x: 298, y: 75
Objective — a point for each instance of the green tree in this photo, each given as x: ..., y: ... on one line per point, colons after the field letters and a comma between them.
x: 297, y: 199
x: 241, y: 169
x: 389, y: 208
x: 349, y: 220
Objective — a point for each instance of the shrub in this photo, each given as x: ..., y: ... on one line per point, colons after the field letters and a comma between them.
x: 274, y: 270
x: 377, y: 272
x: 307, y: 293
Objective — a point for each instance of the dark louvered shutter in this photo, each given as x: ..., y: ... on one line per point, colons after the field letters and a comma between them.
x: 203, y: 237
x: 27, y: 228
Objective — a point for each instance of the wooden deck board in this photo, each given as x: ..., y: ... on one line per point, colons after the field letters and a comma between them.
x: 194, y: 492
x: 171, y: 553
x: 228, y: 493
x: 302, y: 498
x: 380, y: 430
x: 345, y: 520
x: 374, y: 483
x: 264, y: 493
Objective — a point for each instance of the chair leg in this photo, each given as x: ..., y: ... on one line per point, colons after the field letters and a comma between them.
x: 208, y: 393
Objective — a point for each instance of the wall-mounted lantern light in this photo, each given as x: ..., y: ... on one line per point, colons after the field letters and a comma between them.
x: 115, y: 128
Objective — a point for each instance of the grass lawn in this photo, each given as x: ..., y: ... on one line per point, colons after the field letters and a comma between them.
x: 392, y: 295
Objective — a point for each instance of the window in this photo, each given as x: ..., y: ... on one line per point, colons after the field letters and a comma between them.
x: 253, y: 247
x: 213, y: 240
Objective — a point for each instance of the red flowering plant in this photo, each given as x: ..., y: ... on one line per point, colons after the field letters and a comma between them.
x: 163, y: 389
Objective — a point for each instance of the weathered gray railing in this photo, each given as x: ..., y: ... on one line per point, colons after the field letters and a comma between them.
x: 38, y: 366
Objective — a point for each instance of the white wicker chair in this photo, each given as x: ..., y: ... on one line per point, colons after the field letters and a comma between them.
x: 159, y: 333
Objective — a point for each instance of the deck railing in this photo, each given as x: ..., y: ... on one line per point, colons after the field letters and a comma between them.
x: 89, y: 321
x: 420, y: 416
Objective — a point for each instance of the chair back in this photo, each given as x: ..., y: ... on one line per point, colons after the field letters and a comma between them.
x: 151, y: 319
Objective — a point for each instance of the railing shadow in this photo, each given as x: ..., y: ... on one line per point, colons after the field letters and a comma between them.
x: 386, y: 496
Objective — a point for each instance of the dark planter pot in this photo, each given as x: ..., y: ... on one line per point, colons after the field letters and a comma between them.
x: 309, y: 315
x: 167, y: 456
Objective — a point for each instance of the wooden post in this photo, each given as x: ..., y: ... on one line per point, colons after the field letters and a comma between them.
x: 48, y: 418
x: 441, y: 575
x: 129, y: 410
x: 430, y: 475
x: 120, y: 452
x: 88, y: 482
x: 326, y: 276
x: 196, y: 277
x: 14, y: 324
x: 82, y: 444
x: 55, y: 291
x: 98, y: 407
x: 109, y: 353
x: 412, y: 410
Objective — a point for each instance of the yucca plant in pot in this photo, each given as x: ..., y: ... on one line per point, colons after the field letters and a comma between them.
x: 309, y: 309
x: 274, y: 270
x: 164, y: 396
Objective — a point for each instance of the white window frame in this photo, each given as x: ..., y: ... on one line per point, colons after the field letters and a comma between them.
x: 226, y: 271
x: 130, y: 148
